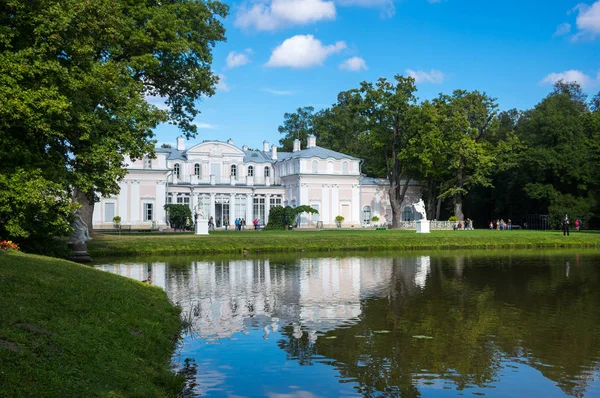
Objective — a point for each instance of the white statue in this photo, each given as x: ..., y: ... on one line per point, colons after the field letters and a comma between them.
x: 200, y: 212
x: 80, y: 233
x: 420, y: 208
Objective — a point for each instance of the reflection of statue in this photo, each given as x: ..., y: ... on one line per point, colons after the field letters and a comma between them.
x: 420, y: 208
x: 80, y: 233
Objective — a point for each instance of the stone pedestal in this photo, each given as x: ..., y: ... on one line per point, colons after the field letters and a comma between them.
x: 202, y: 227
x: 79, y: 253
x: 422, y: 226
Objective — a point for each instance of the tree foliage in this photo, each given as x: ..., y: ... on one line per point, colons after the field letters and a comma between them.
x: 280, y: 216
x: 180, y: 215
x: 75, y: 77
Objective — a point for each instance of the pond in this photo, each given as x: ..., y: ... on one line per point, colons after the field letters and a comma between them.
x: 475, y: 323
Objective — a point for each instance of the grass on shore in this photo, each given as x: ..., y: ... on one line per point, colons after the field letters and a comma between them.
x: 250, y: 241
x: 68, y: 330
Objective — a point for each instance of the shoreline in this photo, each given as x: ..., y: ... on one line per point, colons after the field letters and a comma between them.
x: 323, y: 241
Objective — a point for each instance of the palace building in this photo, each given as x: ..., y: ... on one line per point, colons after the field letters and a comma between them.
x: 228, y: 183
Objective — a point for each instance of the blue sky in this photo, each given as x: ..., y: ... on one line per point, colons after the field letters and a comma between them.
x: 284, y: 54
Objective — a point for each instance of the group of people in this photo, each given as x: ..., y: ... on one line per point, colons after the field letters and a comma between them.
x: 566, y: 225
x: 468, y: 225
x: 500, y: 225
x: 240, y: 224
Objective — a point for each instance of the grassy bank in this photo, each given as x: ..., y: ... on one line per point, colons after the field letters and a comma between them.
x: 250, y: 241
x: 67, y: 330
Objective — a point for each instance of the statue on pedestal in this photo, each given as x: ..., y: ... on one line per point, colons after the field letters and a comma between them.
x: 77, y: 240
x: 420, y: 208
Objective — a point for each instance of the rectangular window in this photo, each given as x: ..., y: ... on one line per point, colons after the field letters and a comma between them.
x: 259, y: 208
x: 147, y: 163
x: 315, y: 216
x: 240, y: 207
x: 275, y: 201
x: 148, y: 212
x: 109, y: 212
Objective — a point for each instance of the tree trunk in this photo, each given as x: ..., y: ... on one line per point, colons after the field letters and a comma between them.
x: 87, y: 208
x: 438, y: 209
x: 458, y: 212
x: 397, y: 193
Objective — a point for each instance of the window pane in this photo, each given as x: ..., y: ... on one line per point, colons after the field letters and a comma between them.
x: 267, y: 171
x: 250, y: 171
x: 109, y: 212
x: 197, y: 169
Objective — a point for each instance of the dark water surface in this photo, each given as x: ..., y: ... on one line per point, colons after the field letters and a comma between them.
x: 500, y: 325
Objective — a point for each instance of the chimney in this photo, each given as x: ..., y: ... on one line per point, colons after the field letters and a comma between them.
x: 245, y: 148
x: 265, y: 146
x: 296, y: 145
x: 230, y: 141
x: 311, y: 141
x: 273, y: 152
x: 180, y: 144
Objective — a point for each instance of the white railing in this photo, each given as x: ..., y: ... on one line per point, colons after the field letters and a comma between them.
x: 433, y: 224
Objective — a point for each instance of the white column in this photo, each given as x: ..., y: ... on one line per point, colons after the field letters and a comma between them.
x: 356, y: 204
x: 211, y: 211
x: 232, y: 211
x: 303, y: 201
x: 135, y: 202
x: 249, y: 209
x: 122, y: 201
x: 267, y: 208
x: 161, y: 190
x: 325, y: 205
x: 335, y: 201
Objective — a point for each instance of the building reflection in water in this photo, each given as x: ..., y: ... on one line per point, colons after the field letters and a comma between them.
x: 221, y: 298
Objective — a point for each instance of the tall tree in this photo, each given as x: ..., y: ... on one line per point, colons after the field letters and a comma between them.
x: 297, y: 125
x: 557, y: 168
x: 391, y: 118
x: 75, y: 76
x: 468, y: 121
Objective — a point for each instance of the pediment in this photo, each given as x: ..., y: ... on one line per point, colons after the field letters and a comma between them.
x: 215, y: 149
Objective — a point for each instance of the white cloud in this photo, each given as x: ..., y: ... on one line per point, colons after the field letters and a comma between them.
x: 303, y: 51
x: 354, y: 64
x: 202, y: 125
x: 562, y: 29
x: 222, y: 84
x: 235, y: 59
x: 420, y: 76
x: 588, y: 20
x: 275, y: 14
x: 572, y: 75
x: 277, y: 92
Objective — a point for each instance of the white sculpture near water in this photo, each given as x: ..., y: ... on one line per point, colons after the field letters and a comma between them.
x: 423, y: 223
x: 77, y: 240
x: 201, y: 227
x: 81, y: 233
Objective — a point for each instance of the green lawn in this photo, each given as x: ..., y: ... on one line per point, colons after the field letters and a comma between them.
x: 232, y: 242
x: 67, y: 330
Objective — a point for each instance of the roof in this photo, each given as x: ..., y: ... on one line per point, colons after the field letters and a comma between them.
x: 258, y: 157
x: 173, y: 153
x: 315, y: 152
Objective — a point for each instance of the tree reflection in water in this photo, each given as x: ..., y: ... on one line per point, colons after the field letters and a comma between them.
x: 398, y: 325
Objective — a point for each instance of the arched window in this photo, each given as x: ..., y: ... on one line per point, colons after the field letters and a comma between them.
x: 267, y: 171
x: 176, y: 170
x: 315, y: 166
x: 197, y: 169
x: 330, y: 167
x: 367, y: 214
x: 233, y: 170
x: 407, y: 214
x: 345, y: 168
x: 250, y: 171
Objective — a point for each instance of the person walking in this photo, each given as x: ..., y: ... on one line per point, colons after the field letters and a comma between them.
x: 565, y: 225
x: 577, y: 225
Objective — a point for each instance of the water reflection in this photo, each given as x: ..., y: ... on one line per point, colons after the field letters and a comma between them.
x: 395, y: 326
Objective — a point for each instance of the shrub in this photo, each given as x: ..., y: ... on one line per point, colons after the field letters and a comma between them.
x: 452, y: 218
x: 375, y: 219
x: 339, y: 218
